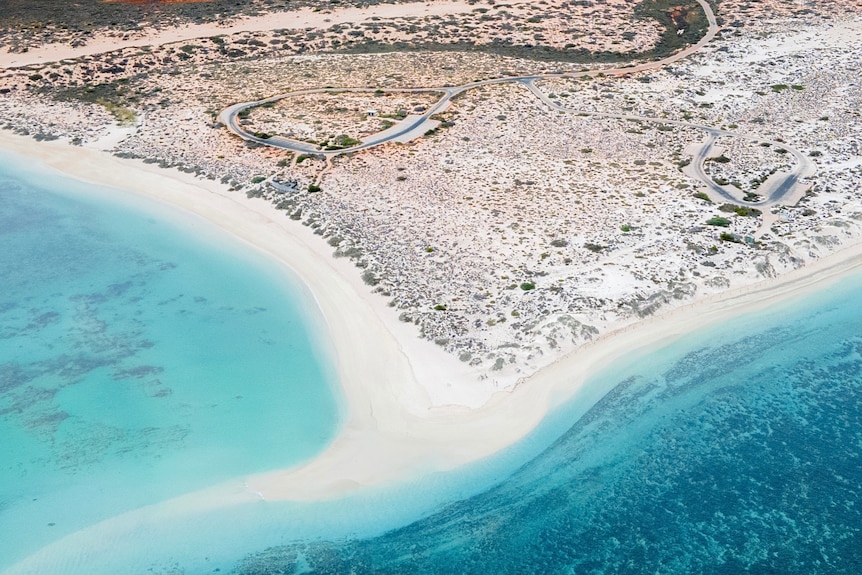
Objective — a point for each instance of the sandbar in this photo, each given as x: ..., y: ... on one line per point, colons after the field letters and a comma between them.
x: 411, y: 409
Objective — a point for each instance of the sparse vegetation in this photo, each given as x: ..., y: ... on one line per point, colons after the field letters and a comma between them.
x: 123, y: 115
x: 524, y: 204
x: 370, y: 278
x: 743, y: 211
x: 718, y: 221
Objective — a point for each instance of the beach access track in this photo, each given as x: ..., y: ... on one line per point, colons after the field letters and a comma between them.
x: 785, y: 187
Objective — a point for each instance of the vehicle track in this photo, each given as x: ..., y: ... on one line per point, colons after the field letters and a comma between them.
x: 782, y: 187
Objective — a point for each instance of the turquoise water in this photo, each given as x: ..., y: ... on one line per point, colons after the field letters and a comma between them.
x: 143, y: 355
x: 735, y: 450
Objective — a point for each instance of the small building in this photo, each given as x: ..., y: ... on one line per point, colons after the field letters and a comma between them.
x: 371, y: 113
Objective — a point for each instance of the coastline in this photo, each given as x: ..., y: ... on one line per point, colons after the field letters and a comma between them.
x: 410, y: 407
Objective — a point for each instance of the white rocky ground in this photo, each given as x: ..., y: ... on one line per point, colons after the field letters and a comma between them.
x: 518, y: 232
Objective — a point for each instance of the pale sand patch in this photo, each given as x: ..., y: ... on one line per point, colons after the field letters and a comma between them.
x: 290, y: 20
x: 399, y: 425
x: 377, y: 357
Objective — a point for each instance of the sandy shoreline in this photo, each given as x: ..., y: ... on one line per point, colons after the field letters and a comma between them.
x: 407, y: 411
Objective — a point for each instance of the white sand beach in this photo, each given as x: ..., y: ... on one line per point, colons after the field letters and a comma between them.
x: 411, y: 410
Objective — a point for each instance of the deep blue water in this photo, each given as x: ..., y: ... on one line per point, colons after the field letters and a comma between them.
x: 170, y: 355
x: 737, y: 450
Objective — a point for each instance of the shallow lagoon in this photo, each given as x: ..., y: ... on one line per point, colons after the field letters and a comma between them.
x: 736, y: 449
x: 143, y: 355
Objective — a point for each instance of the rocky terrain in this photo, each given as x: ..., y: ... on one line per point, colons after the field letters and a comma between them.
x: 514, y: 232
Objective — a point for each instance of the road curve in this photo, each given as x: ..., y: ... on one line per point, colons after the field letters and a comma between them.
x: 228, y: 116
x: 781, y: 186
x: 778, y: 188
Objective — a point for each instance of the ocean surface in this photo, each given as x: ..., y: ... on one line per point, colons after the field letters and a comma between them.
x: 143, y: 355
x: 736, y: 449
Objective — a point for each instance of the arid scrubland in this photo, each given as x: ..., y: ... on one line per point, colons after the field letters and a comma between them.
x: 328, y: 117
x: 550, y: 25
x: 25, y: 24
x: 514, y: 232
x: 745, y: 164
x: 549, y: 29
